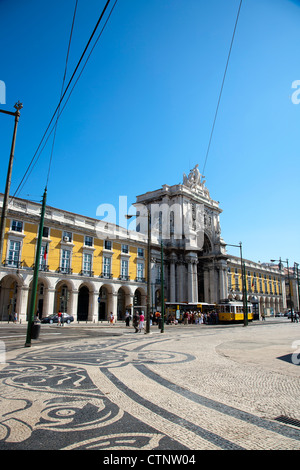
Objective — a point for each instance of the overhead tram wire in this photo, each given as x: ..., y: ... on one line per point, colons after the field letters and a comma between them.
x: 221, y: 90
x: 72, y: 89
x: 62, y: 89
x: 61, y: 99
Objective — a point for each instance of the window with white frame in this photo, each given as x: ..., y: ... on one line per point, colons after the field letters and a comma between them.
x: 14, y: 253
x: 65, y: 261
x: 124, y: 268
x: 270, y: 287
x: 140, y: 271
x: 46, y: 232
x: 254, y: 282
x: 140, y: 252
x: 249, y: 282
x: 107, y: 244
x: 106, y: 266
x: 43, y: 257
x: 87, y: 264
x: 17, y: 226
x: 229, y: 278
x: 67, y: 236
x: 88, y: 241
x: 260, y: 284
x: 125, y: 249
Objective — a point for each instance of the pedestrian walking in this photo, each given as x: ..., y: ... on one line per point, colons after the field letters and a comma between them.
x: 127, y: 318
x: 59, y: 318
x: 111, y: 320
x: 135, y: 321
x: 141, y: 321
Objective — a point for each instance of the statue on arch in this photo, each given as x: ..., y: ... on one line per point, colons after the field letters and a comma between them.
x: 195, y: 180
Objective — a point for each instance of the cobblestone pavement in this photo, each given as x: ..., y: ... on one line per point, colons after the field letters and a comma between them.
x: 191, y: 388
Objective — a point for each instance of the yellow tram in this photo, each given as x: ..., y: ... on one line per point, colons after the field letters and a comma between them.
x: 233, y: 311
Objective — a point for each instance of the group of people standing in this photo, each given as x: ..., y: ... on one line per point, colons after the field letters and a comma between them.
x: 138, y: 321
x: 207, y: 318
x: 188, y: 317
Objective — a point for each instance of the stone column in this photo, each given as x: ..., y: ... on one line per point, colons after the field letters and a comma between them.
x: 73, y: 303
x: 49, y: 295
x: 190, y: 281
x: 212, y: 285
x: 195, y: 282
x: 206, y: 284
x: 95, y: 306
x: 223, y: 294
x: 129, y: 301
x: 22, y: 303
x: 180, y: 297
x: 112, y: 304
x: 192, y: 277
x: 172, y: 278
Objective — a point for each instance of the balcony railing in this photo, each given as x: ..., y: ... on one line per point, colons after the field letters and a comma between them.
x: 64, y: 270
x: 42, y: 267
x: 86, y: 272
x: 10, y: 263
x: 140, y: 279
x: 106, y: 276
x: 124, y: 277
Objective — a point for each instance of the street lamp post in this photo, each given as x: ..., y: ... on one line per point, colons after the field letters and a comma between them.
x: 17, y: 106
x: 162, y: 289
x: 128, y: 216
x: 289, y: 281
x: 35, y: 274
x: 296, y: 269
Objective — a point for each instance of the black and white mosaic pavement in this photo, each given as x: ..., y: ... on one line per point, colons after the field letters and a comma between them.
x: 117, y: 394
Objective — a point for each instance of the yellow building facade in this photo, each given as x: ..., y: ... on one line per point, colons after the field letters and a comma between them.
x: 87, y: 269
x: 265, y: 285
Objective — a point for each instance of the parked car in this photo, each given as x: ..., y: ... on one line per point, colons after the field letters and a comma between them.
x: 65, y: 318
x: 279, y: 314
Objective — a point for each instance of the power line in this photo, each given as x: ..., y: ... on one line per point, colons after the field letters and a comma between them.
x: 70, y: 93
x: 64, y: 93
x: 62, y: 89
x: 216, y: 113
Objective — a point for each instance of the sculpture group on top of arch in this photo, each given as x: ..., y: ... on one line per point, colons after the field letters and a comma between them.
x: 195, y: 181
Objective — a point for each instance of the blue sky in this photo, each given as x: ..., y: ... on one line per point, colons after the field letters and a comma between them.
x: 141, y: 114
